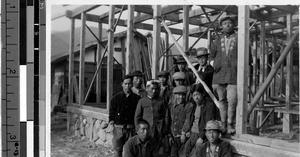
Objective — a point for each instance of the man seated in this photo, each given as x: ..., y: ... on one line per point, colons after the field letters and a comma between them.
x: 142, y: 144
x: 214, y: 147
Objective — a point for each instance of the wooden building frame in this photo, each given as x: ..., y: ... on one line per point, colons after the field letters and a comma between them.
x: 273, y: 24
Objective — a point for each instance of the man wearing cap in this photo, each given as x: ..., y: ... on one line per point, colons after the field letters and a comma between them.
x: 165, y: 88
x: 214, y: 147
x: 152, y: 109
x: 179, y: 79
x: 181, y: 65
x: 223, y: 56
x: 138, y: 84
x: 180, y: 113
x: 204, y: 69
x: 121, y: 119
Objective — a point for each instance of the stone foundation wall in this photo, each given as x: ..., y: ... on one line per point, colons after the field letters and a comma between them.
x: 88, y: 123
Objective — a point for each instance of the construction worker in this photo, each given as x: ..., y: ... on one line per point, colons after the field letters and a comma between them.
x: 214, y: 146
x: 142, y: 144
x: 204, y: 69
x: 182, y: 67
x: 165, y: 88
x: 180, y: 113
x: 223, y: 57
x: 121, y: 119
x: 138, y: 84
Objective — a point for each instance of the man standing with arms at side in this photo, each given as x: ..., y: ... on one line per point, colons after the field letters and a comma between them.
x: 120, y: 117
x: 224, y: 59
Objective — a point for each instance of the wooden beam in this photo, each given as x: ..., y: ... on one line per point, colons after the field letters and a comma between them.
x: 110, y: 54
x: 139, y: 8
x: 286, y: 8
x: 167, y: 53
x: 82, y: 60
x: 157, y: 11
x: 273, y: 86
x: 185, y: 36
x: 262, y: 70
x: 242, y: 77
x: 98, y: 82
x: 287, y: 118
x: 71, y: 62
x: 82, y: 9
x: 129, y: 42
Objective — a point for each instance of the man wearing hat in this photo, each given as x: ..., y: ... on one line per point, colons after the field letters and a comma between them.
x: 204, y: 69
x: 181, y: 66
x: 121, y: 119
x: 214, y: 147
x: 138, y: 83
x: 180, y: 113
x: 179, y: 79
x: 223, y: 56
x: 165, y: 88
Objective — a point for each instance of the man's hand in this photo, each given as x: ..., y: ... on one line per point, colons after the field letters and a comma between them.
x: 182, y: 138
x: 199, y: 142
x: 188, y: 134
x: 110, y: 126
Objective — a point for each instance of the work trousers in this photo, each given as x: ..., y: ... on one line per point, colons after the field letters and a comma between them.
x: 227, y: 94
x: 189, y: 147
x: 120, y: 136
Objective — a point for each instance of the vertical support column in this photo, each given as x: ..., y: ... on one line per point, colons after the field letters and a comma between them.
x: 129, y: 42
x: 208, y: 40
x: 243, y: 59
x: 82, y: 58
x: 273, y: 86
x: 98, y: 82
x: 253, y: 116
x: 71, y: 62
x: 186, y: 20
x: 156, y: 39
x: 109, y: 78
x: 261, y: 114
x: 287, y: 118
x: 167, y: 53
x: 282, y: 85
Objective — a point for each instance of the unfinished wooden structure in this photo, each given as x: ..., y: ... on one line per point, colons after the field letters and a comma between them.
x: 268, y: 85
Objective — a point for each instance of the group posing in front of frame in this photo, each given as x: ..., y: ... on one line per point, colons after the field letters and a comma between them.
x: 180, y: 119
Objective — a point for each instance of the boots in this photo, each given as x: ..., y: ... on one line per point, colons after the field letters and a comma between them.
x: 230, y: 128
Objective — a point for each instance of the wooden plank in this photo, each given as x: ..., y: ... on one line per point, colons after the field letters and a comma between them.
x: 262, y: 59
x: 287, y: 118
x: 71, y: 62
x: 156, y: 40
x: 286, y: 8
x: 123, y: 51
x: 82, y: 60
x: 110, y: 54
x: 99, y: 47
x: 167, y: 53
x: 79, y: 10
x: 129, y: 41
x: 249, y: 149
x: 273, y: 87
x: 185, y: 36
x: 242, y: 77
x: 89, y: 113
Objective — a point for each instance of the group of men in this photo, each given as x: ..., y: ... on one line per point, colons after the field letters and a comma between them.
x: 179, y: 119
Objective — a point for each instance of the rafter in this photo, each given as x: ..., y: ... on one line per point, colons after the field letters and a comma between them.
x: 77, y: 11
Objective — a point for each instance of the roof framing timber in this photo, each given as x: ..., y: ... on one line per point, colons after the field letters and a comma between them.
x: 77, y: 11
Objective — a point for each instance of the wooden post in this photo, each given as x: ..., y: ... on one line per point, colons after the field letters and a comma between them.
x: 208, y: 40
x: 82, y: 58
x: 255, y: 62
x: 110, y: 54
x: 273, y: 88
x: 71, y: 62
x: 156, y: 39
x: 242, y: 77
x: 185, y: 27
x: 287, y: 118
x: 98, y: 82
x: 129, y: 42
x: 167, y: 53
x: 123, y: 51
x: 282, y: 85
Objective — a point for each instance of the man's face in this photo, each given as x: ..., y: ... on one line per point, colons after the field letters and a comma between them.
x: 202, y: 60
x: 153, y: 90
x: 180, y: 98
x: 197, y: 96
x: 127, y: 85
x: 143, y: 132
x: 181, y: 66
x: 163, y: 80
x: 179, y: 82
x: 137, y: 81
x: 227, y: 26
x: 212, y: 135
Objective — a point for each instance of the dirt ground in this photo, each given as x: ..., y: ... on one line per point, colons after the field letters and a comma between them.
x: 66, y: 145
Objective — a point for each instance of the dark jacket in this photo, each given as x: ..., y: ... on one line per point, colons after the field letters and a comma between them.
x: 121, y: 107
x: 166, y: 93
x: 225, y: 66
x: 134, y: 147
x: 153, y: 111
x: 206, y: 75
x: 209, y: 111
x: 224, y: 149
